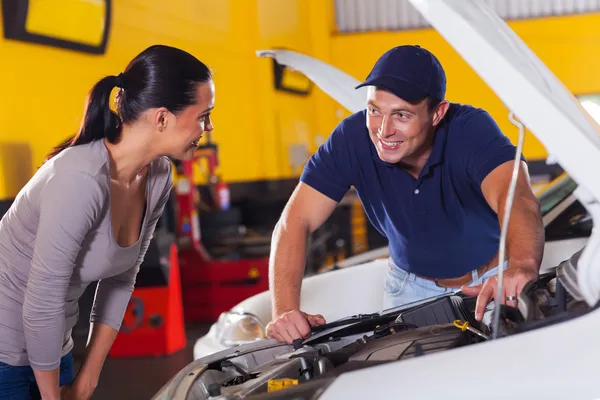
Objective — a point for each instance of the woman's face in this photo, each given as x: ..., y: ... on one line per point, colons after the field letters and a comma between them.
x: 184, y: 130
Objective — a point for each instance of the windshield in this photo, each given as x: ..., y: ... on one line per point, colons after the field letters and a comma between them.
x: 555, y: 192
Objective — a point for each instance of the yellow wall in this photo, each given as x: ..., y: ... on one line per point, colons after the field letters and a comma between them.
x: 44, y: 88
x: 567, y: 45
x: 289, y: 120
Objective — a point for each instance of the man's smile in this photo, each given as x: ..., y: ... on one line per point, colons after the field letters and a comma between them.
x: 390, y: 145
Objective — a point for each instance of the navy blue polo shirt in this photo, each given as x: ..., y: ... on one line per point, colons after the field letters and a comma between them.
x: 439, y: 225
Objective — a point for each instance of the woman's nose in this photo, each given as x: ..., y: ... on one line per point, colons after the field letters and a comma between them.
x: 209, y: 126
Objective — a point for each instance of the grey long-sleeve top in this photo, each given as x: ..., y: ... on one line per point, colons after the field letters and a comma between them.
x: 55, y: 240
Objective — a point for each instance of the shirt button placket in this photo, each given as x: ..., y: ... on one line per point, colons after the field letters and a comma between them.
x: 418, y: 201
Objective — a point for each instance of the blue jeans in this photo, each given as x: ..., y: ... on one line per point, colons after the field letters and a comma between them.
x: 18, y: 382
x: 401, y: 287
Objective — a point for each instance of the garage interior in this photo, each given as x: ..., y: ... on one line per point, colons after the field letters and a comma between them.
x: 211, y: 247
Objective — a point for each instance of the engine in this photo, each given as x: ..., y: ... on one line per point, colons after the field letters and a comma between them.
x: 306, y: 369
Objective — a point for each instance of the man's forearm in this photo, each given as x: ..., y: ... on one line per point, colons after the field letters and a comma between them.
x: 99, y: 343
x: 286, y: 269
x: 525, y: 236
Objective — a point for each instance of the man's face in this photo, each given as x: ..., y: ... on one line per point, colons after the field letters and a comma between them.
x: 401, y: 131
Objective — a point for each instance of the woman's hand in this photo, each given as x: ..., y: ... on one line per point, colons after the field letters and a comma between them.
x: 78, y: 390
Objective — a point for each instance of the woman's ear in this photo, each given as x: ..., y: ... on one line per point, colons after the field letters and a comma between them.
x: 161, y: 118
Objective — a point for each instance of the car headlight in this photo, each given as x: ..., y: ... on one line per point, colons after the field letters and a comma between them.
x: 238, y: 327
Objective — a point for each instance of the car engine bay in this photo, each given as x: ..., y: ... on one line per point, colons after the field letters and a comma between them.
x: 306, y: 369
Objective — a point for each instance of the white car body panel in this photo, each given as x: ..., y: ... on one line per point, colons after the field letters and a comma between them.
x: 335, y: 295
x: 558, y: 251
x: 556, y: 362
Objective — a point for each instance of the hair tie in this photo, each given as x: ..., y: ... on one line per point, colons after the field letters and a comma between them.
x: 120, y: 79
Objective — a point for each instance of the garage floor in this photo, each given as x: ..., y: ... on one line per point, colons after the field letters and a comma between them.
x: 139, y: 378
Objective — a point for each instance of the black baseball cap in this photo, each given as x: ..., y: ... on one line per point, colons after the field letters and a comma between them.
x: 409, y: 72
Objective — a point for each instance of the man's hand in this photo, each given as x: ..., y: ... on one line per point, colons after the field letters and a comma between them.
x: 292, y: 325
x: 513, y: 281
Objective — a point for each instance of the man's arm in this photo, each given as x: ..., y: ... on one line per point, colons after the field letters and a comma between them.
x: 525, y: 235
x: 305, y: 212
x: 327, y: 177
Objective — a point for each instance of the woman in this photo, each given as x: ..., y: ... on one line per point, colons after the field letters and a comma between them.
x: 88, y: 214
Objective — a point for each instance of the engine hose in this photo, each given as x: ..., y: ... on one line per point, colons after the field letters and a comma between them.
x: 504, y: 231
x: 342, y: 355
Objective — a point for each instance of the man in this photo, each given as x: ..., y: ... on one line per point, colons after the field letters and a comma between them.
x: 433, y: 178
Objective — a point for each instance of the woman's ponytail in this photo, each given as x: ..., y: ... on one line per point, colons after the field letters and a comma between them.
x: 160, y: 76
x: 99, y: 121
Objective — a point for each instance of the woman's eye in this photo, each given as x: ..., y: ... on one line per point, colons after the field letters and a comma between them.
x: 203, y: 119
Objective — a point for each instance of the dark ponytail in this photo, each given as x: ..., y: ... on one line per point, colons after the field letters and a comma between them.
x: 160, y: 76
x: 99, y: 121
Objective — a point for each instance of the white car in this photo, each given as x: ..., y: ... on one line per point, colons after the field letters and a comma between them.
x: 547, y: 348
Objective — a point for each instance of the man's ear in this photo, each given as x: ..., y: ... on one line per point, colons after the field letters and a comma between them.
x: 440, y: 112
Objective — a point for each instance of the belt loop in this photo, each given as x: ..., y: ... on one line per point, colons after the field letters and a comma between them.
x: 475, y: 277
x: 411, y: 277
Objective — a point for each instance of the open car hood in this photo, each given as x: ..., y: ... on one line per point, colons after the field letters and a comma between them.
x: 337, y: 84
x: 521, y: 81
